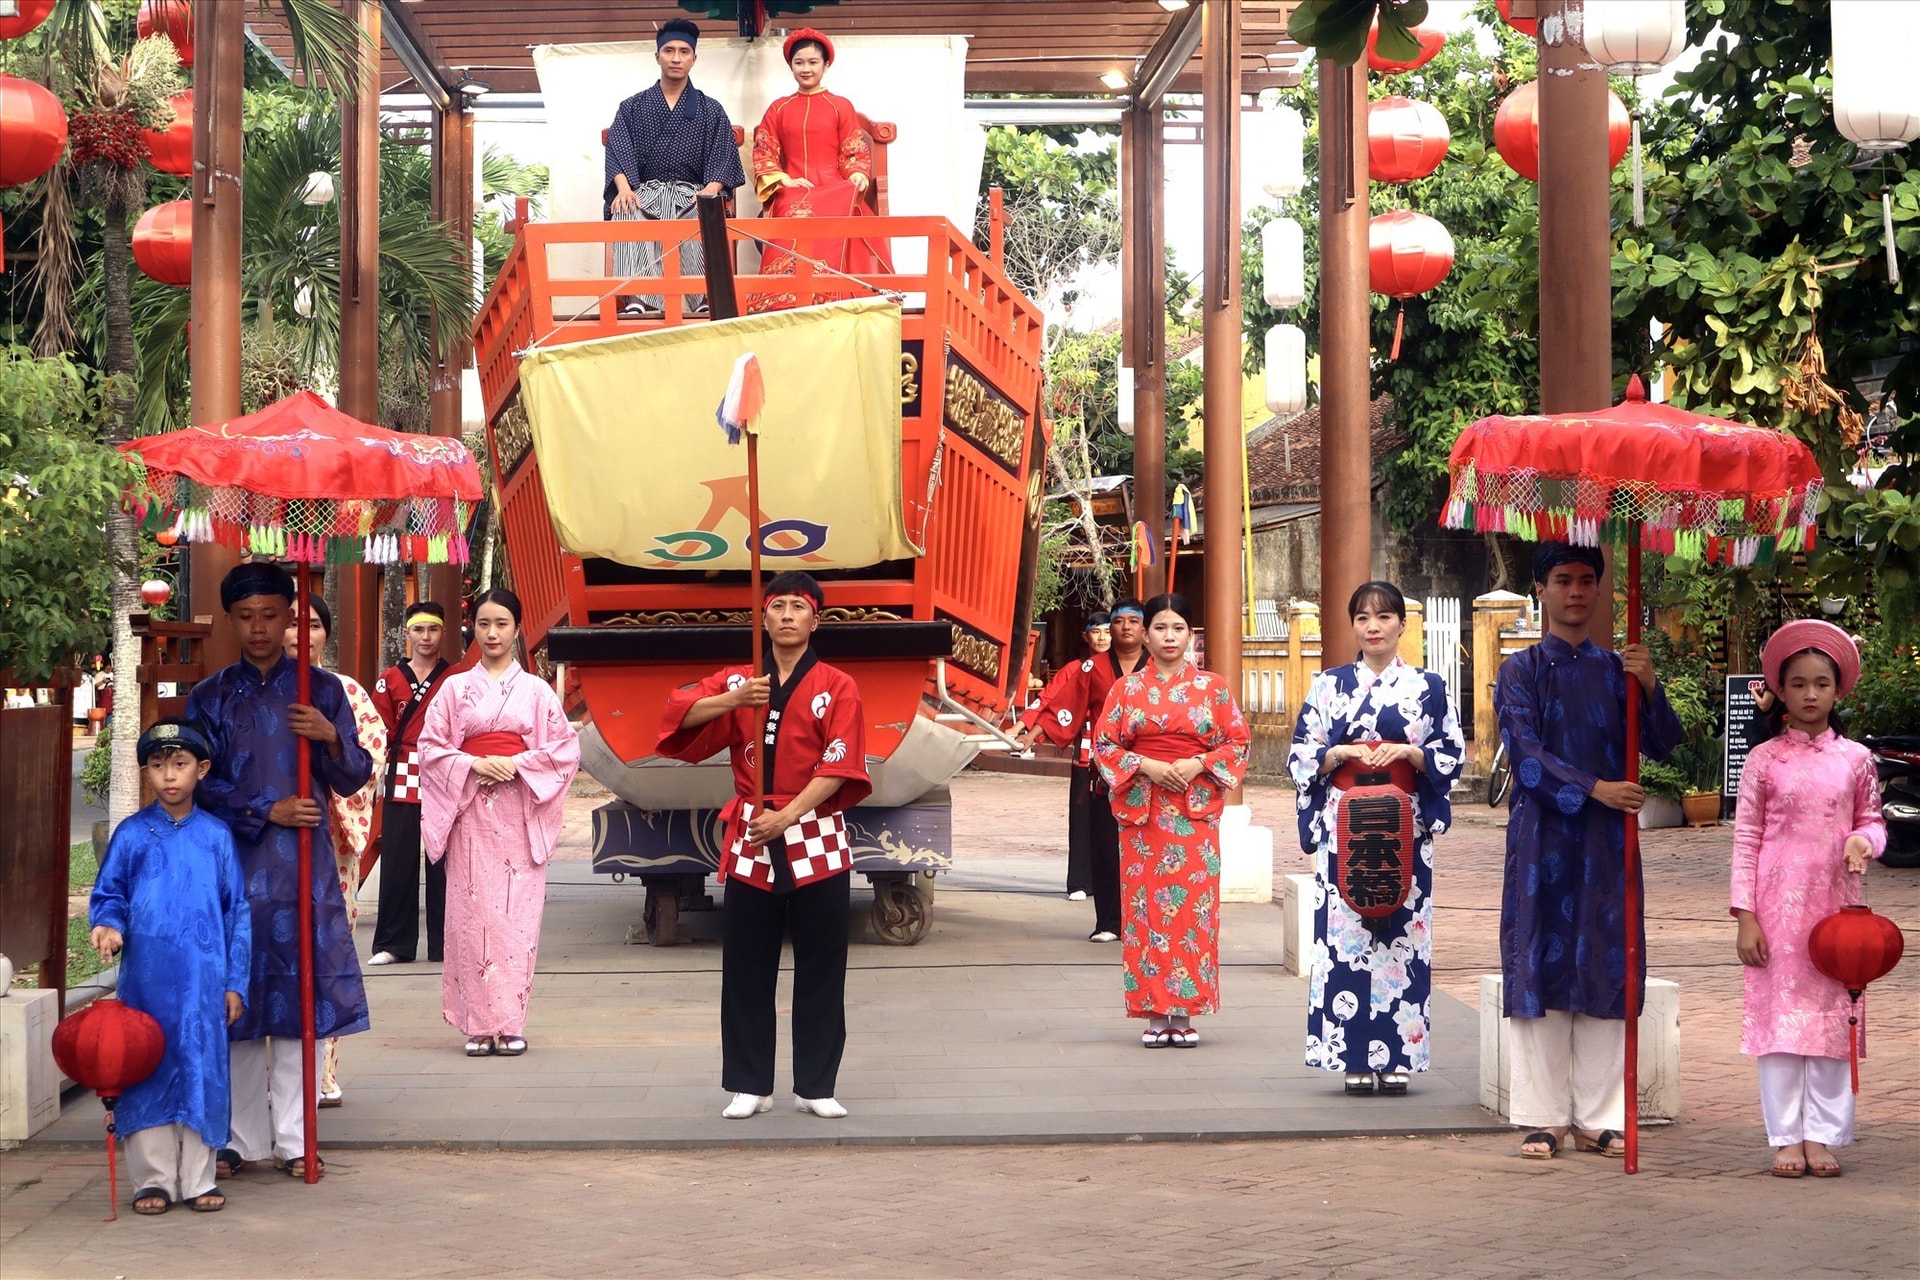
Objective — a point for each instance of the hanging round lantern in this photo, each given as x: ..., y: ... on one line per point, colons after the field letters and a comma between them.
x: 1525, y: 26
x: 1405, y: 139
x: 172, y: 19
x: 1855, y: 947
x: 1516, y: 130
x: 1286, y: 153
x: 33, y: 130
x: 170, y: 150
x: 1286, y: 351
x: 108, y: 1047
x: 1635, y: 38
x: 1283, y: 263
x: 1408, y: 253
x: 1431, y: 42
x: 163, y: 242
x: 156, y: 592
x: 27, y: 15
x: 1876, y: 98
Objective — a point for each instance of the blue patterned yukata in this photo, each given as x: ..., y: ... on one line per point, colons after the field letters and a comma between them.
x: 1370, y: 983
x: 173, y: 890
x: 245, y: 718
x: 1563, y: 905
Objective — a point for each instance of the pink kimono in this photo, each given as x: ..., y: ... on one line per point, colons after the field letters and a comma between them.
x: 496, y: 837
x: 1800, y: 798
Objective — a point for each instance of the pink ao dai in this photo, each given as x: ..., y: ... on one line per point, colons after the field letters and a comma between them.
x: 1800, y: 798
x: 496, y: 838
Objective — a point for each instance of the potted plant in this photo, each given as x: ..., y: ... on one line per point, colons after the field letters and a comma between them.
x: 1665, y: 785
x: 1702, y: 764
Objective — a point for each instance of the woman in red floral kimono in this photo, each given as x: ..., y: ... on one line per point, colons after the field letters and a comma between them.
x: 811, y: 159
x: 1171, y: 744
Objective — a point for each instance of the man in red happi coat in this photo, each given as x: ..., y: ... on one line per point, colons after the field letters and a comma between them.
x: 816, y: 769
x: 1069, y: 708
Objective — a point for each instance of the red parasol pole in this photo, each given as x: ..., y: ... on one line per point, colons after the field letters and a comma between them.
x: 303, y: 755
x: 1173, y: 554
x: 753, y: 611
x: 1632, y: 851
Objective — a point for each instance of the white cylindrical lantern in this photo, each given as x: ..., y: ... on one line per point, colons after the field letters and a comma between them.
x: 1635, y: 37
x: 1876, y: 96
x: 1286, y: 157
x: 1283, y: 263
x: 1286, y: 369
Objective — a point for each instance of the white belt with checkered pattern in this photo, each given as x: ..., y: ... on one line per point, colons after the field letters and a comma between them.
x: 817, y: 847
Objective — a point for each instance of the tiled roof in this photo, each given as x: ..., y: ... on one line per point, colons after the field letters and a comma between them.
x: 1283, y: 456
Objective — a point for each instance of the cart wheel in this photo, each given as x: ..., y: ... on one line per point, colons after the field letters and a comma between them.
x: 662, y: 913
x: 619, y: 877
x: 902, y: 912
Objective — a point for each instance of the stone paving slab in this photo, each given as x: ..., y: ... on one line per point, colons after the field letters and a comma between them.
x: 1004, y: 1026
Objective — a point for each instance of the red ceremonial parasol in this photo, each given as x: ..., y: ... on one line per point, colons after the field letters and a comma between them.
x: 302, y: 481
x: 1654, y: 477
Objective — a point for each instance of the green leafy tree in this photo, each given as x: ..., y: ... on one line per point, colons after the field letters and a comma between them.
x: 1061, y: 208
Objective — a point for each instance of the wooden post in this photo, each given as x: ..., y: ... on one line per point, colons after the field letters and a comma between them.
x: 1144, y: 309
x: 213, y: 344
x: 1224, y: 432
x: 1492, y: 613
x: 1346, y: 461
x: 1413, y: 641
x: 452, y: 204
x: 357, y: 615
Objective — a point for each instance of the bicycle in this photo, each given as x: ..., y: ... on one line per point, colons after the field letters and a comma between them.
x: 1500, y: 775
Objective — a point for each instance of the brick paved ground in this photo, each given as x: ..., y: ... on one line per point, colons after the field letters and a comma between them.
x: 1456, y: 1206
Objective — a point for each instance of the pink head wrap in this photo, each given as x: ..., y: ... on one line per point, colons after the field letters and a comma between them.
x: 1810, y: 633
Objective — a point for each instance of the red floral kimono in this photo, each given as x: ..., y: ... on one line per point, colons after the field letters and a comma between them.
x: 816, y: 136
x: 1170, y: 841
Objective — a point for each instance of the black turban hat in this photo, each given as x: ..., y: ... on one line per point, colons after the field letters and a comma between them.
x: 1548, y: 556
x: 256, y: 579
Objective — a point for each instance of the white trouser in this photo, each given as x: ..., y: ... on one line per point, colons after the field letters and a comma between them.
x: 1567, y: 1071
x: 269, y: 1117
x: 169, y: 1158
x: 1806, y: 1099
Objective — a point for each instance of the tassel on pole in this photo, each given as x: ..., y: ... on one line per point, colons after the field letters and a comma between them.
x: 1886, y: 226
x: 1639, y: 198
x: 1399, y: 327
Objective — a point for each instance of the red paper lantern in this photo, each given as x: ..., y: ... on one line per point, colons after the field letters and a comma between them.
x: 163, y: 242
x: 1407, y: 253
x: 33, y: 130
x: 1516, y: 130
x: 166, y: 537
x: 30, y: 14
x: 155, y: 591
x: 109, y: 1046
x: 1854, y: 947
x: 1431, y: 42
x: 172, y: 19
x: 1405, y: 139
x: 1376, y: 844
x: 170, y: 150
x: 1525, y: 26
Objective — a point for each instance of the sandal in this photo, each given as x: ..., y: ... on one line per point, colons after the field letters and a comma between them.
x: 212, y: 1201
x: 1539, y: 1138
x: 228, y: 1163
x: 1393, y: 1082
x: 479, y: 1046
x: 156, y: 1201
x: 1151, y: 1039
x: 510, y: 1046
x: 1359, y: 1083
x: 1185, y: 1038
x: 1829, y: 1168
x: 297, y: 1167
x: 1793, y: 1168
x: 1606, y: 1143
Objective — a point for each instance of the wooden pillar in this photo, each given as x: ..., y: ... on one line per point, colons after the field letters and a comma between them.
x: 1144, y: 307
x: 1346, y: 454
x: 452, y: 204
x: 220, y: 41
x: 1225, y: 436
x: 1576, y: 298
x: 357, y: 612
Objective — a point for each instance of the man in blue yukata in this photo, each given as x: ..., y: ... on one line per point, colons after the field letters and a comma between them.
x: 668, y: 145
x: 252, y: 721
x: 1562, y: 707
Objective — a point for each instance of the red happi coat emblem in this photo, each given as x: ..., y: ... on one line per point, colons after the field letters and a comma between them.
x: 1374, y: 845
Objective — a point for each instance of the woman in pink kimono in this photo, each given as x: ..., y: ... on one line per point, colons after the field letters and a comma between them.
x: 1807, y: 822
x: 496, y: 756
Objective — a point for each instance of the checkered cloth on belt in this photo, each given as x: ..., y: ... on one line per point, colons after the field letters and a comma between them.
x: 817, y: 847
x: 406, y: 779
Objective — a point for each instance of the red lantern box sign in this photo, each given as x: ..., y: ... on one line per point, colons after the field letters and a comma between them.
x: 1374, y: 843
x: 170, y: 150
x: 163, y: 242
x: 1405, y: 139
x: 172, y: 19
x: 1516, y: 130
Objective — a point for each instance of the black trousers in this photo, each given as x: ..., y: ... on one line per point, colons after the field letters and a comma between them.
x: 398, y: 927
x: 1103, y: 858
x: 1079, y: 838
x: 815, y: 915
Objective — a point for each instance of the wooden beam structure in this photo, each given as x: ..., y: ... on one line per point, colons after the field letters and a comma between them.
x: 220, y: 42
x: 453, y: 191
x: 1346, y: 456
x: 1225, y: 434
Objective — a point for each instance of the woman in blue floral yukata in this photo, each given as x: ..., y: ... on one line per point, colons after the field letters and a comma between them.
x: 1371, y: 976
